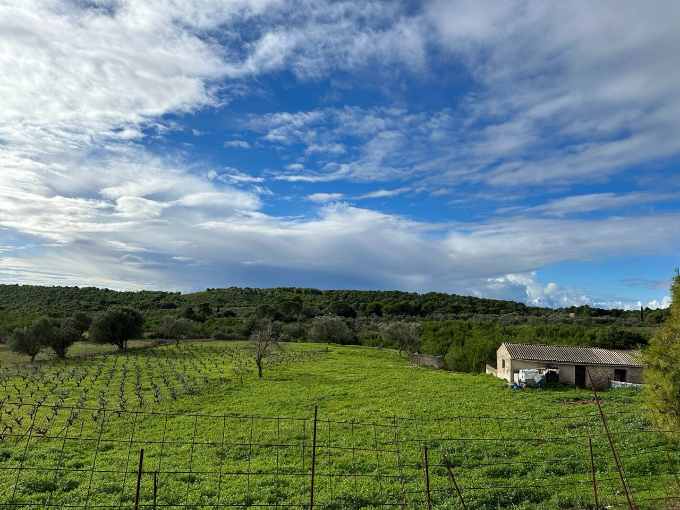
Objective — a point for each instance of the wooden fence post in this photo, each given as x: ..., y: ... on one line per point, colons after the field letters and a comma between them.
x: 593, y: 473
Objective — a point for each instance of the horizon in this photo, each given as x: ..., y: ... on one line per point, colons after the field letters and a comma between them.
x: 213, y: 289
x: 512, y: 151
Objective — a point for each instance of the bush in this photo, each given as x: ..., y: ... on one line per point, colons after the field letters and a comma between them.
x: 117, y: 326
x: 662, y: 373
x: 293, y: 332
x: 31, y: 340
x: 175, y: 329
x: 405, y: 336
x: 63, y: 337
x: 330, y: 329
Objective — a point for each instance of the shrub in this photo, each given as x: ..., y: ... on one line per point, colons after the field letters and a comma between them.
x: 175, y: 329
x: 330, y: 330
x: 662, y: 373
x: 31, y: 340
x: 63, y: 337
x: 293, y: 332
x: 405, y: 336
x: 116, y: 327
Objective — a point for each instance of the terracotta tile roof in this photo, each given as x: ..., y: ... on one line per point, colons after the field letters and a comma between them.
x: 576, y: 355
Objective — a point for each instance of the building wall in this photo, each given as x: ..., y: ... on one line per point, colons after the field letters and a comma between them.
x: 601, y: 375
x: 503, y: 358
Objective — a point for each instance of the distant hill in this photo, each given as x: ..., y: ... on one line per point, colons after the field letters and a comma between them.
x: 20, y: 304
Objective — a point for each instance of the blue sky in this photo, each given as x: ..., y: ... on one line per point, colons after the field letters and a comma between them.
x: 520, y: 150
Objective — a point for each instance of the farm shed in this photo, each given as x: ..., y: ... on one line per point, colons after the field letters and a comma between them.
x: 576, y: 365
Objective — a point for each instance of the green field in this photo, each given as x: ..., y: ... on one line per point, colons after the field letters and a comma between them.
x: 72, y: 434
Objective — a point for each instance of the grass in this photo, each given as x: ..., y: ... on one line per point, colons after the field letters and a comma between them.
x: 219, y: 443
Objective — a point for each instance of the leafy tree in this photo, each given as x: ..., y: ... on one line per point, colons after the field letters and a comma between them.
x: 403, y: 335
x: 175, y: 329
x: 374, y: 308
x: 342, y: 310
x: 662, y: 373
x: 31, y: 340
x: 65, y: 335
x: 291, y: 309
x: 117, y: 326
x: 189, y: 313
x: 81, y: 322
x: 264, y: 340
x: 330, y: 330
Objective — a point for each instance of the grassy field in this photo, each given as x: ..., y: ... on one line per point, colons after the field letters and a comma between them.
x: 72, y: 434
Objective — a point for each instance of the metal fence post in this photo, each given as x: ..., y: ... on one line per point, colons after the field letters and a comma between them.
x: 139, y: 477
x: 426, y: 473
x: 311, y: 490
x: 155, y: 488
x: 592, y: 470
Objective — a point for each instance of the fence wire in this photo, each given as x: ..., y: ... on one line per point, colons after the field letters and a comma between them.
x: 59, y: 456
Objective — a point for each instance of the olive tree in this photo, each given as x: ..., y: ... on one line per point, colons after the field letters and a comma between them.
x: 32, y: 339
x: 405, y: 336
x: 662, y: 372
x: 64, y: 335
x: 117, y: 326
x: 176, y: 329
x: 329, y: 329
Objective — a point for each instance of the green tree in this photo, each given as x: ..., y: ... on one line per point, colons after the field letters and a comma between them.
x: 330, y: 330
x: 65, y: 335
x: 81, y: 321
x: 175, y: 328
x: 31, y: 340
x: 662, y: 372
x: 117, y: 326
x: 405, y: 336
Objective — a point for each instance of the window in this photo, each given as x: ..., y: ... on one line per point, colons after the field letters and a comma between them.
x: 503, y: 363
x: 620, y: 374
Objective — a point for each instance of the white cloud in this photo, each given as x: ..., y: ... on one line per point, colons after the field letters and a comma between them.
x: 563, y: 99
x: 325, y: 197
x: 238, y: 144
x: 600, y: 201
x: 384, y: 193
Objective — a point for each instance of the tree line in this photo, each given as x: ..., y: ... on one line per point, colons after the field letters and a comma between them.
x: 227, y: 311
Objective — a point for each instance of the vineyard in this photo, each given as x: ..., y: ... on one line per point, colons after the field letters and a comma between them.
x: 191, y: 426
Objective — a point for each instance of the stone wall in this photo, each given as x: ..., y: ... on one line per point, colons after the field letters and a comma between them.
x: 424, y: 360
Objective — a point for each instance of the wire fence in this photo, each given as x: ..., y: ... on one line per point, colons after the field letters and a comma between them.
x: 58, y: 456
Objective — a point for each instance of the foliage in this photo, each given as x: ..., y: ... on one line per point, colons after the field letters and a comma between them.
x: 31, y: 340
x: 117, y: 326
x: 66, y: 334
x: 175, y: 329
x: 405, y: 336
x: 662, y: 373
x: 468, y: 345
x: 329, y: 329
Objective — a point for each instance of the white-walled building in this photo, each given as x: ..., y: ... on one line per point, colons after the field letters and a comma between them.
x: 576, y: 365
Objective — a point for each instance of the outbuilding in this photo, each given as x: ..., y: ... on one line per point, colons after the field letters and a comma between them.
x: 578, y: 366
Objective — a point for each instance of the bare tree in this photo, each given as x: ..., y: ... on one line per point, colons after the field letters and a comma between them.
x: 264, y: 340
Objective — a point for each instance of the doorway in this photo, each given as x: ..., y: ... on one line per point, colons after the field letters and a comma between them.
x: 580, y: 376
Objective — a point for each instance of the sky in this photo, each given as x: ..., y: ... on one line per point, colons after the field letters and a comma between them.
x: 523, y: 150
